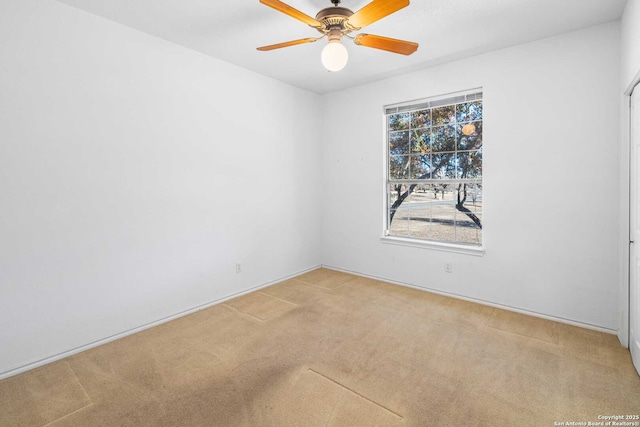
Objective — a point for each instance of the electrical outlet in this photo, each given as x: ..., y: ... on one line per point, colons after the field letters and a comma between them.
x: 448, y: 267
x: 238, y: 267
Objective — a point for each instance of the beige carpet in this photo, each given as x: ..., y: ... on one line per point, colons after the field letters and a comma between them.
x: 332, y: 349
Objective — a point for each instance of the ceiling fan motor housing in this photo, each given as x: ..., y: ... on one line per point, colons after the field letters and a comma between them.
x: 335, y: 18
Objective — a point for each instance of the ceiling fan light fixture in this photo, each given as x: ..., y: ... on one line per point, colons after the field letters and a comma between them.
x: 334, y: 56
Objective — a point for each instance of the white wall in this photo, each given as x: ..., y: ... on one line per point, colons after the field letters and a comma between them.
x: 133, y: 175
x: 551, y: 201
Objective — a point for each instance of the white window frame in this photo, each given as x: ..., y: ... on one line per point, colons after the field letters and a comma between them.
x: 432, y: 102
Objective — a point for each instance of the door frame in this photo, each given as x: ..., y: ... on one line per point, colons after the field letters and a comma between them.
x: 625, y: 177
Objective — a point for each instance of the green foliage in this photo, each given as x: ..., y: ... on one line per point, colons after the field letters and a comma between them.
x: 430, y: 143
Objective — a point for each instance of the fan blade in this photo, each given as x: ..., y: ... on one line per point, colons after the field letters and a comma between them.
x: 286, y: 44
x: 386, y: 43
x: 375, y: 10
x: 294, y: 13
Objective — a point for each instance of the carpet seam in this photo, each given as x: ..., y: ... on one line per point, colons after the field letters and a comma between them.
x: 246, y: 314
x: 69, y: 414
x: 79, y: 382
x: 357, y: 394
x: 281, y: 299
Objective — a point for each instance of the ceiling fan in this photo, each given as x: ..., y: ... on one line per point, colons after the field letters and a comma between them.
x: 335, y: 22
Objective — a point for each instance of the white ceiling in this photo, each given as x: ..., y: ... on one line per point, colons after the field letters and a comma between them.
x: 445, y: 29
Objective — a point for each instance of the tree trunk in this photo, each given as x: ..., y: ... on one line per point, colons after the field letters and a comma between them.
x: 466, y: 211
x: 470, y: 214
x: 401, y: 198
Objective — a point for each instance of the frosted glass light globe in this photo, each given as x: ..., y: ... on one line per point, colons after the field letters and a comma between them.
x: 334, y: 56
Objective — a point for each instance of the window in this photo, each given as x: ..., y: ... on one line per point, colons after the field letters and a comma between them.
x: 434, y: 170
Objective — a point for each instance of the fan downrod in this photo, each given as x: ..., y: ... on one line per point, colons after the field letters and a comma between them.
x: 335, y: 2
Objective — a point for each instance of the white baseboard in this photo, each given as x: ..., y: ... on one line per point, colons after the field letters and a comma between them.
x: 71, y: 352
x: 479, y: 301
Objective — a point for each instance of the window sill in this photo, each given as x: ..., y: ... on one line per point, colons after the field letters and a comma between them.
x: 445, y: 247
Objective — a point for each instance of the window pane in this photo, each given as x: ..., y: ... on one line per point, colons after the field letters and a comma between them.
x: 420, y: 224
x: 398, y: 167
x: 444, y: 138
x: 395, y: 191
x: 471, y: 141
x: 469, y: 111
x: 469, y: 164
x: 444, y: 115
x: 398, y: 212
x: 434, y: 191
x: 469, y: 213
x: 399, y: 142
x: 420, y: 167
x: 475, y: 164
x: 400, y: 224
x: 467, y: 232
x: 421, y: 141
x: 443, y: 165
x: 421, y: 119
x: 443, y: 213
x: 399, y: 121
